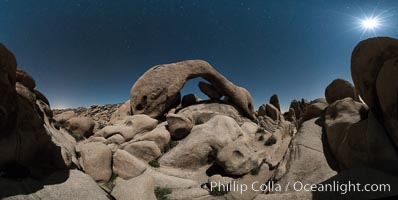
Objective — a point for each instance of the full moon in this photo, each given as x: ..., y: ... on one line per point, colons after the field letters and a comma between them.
x: 370, y: 23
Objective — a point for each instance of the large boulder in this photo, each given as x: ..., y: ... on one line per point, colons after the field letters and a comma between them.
x: 160, y: 135
x: 339, y: 117
x: 28, y: 137
x: 96, y: 160
x: 121, y: 113
x: 141, y: 187
x: 339, y: 89
x: 387, y: 93
x: 80, y: 126
x: 357, y: 139
x: 127, y: 166
x: 314, y: 110
x: 307, y: 159
x: 193, y: 151
x: 62, y: 185
x: 25, y: 79
x: 24, y: 92
x: 64, y: 116
x: 8, y: 105
x: 8, y: 64
x: 290, y: 116
x: 179, y: 125
x: 238, y: 157
x: 270, y: 111
x: 158, y: 89
x: 299, y: 108
x: 367, y: 59
x: 189, y: 100
x: 34, y: 138
x: 274, y: 100
x: 203, y: 112
x: 130, y: 128
x: 145, y: 150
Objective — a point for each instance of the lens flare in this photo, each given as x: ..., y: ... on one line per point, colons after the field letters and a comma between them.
x: 370, y: 23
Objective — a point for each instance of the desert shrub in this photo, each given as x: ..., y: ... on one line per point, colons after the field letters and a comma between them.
x: 111, y: 182
x: 77, y: 137
x: 171, y: 144
x: 261, y: 138
x: 256, y: 170
x: 271, y: 140
x: 199, y: 121
x: 60, y: 124
x: 161, y: 193
x: 101, y: 126
x: 212, y: 156
x: 218, y: 191
x: 154, y: 163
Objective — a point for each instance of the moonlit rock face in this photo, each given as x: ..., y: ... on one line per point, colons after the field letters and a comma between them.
x: 366, y: 61
x: 8, y: 107
x: 158, y: 89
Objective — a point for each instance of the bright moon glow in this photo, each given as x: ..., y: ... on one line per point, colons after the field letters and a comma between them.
x: 370, y: 24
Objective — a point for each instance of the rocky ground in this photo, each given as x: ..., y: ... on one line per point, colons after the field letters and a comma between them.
x: 101, y: 114
x: 159, y: 145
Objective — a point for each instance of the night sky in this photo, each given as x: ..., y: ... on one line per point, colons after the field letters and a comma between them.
x: 91, y: 52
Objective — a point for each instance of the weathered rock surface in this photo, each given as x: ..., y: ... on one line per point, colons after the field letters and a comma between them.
x: 270, y: 111
x: 158, y: 89
x: 189, y: 100
x: 179, y: 125
x: 191, y: 193
x: 201, y: 113
x: 130, y: 128
x: 357, y: 139
x: 127, y: 166
x: 314, y: 110
x: 290, y: 116
x: 8, y: 105
x: 97, y: 160
x: 121, y: 113
x: 299, y: 108
x: 62, y: 185
x: 339, y: 89
x: 339, y: 117
x: 145, y: 150
x: 209, y: 91
x: 64, y: 116
x: 367, y: 59
x: 24, y: 92
x: 169, y: 181
x: 307, y: 160
x: 238, y: 158
x: 141, y: 187
x: 80, y: 126
x: 192, y: 152
x: 160, y: 135
x: 115, y: 139
x: 28, y: 137
x: 387, y: 93
x: 101, y: 114
x: 25, y: 79
x: 274, y: 100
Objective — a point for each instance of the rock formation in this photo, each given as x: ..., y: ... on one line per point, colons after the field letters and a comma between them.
x: 156, y: 146
x: 158, y: 90
x: 339, y: 89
